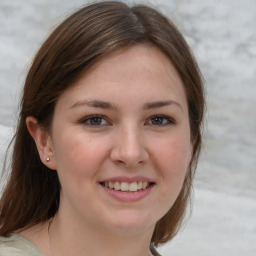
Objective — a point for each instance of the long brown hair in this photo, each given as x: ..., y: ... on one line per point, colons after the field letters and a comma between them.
x: 32, y: 192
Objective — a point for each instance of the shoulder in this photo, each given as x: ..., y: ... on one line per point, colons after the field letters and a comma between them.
x: 16, y: 245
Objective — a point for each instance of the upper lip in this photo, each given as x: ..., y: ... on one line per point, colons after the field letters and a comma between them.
x: 128, y: 179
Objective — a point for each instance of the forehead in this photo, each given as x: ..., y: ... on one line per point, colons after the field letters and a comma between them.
x: 136, y: 73
x: 142, y: 59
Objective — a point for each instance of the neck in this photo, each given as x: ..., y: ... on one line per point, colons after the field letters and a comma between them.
x: 74, y: 238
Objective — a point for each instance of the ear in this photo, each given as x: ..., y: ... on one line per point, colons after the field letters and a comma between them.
x: 43, y: 142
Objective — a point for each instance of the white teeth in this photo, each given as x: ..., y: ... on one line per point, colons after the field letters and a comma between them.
x: 125, y: 186
x: 144, y: 184
x: 117, y: 185
x: 110, y: 184
x: 133, y: 186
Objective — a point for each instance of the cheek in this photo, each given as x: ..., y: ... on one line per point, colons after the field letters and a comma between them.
x: 170, y: 159
x: 78, y: 156
x: 172, y: 154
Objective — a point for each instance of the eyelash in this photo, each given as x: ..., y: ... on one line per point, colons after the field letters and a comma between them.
x: 90, y: 118
x: 167, y: 121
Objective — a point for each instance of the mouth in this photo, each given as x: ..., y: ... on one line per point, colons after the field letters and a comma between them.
x: 127, y: 186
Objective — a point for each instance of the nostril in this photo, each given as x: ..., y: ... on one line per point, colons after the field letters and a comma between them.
x: 120, y: 162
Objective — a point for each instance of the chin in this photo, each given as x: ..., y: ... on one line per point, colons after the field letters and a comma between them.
x: 127, y: 223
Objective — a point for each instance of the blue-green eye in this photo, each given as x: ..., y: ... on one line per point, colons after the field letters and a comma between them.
x: 95, y: 120
x: 160, y: 120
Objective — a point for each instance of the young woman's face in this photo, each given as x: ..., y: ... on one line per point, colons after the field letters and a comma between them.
x: 121, y: 142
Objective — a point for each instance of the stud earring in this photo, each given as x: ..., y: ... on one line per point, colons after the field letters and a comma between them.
x: 47, y: 159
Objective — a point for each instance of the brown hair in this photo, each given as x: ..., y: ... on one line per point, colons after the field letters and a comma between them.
x: 32, y: 191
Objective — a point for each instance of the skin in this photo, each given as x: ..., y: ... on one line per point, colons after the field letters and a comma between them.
x: 133, y: 137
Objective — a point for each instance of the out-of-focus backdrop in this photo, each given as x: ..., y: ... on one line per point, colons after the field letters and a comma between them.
x: 222, y: 34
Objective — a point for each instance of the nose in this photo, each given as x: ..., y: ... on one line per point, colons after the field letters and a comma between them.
x: 129, y: 148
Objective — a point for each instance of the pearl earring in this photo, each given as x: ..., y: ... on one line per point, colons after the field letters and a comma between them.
x: 47, y: 159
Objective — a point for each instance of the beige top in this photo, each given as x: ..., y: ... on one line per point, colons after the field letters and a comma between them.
x: 17, y: 245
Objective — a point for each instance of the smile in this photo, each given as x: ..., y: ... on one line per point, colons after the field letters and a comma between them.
x: 125, y: 189
x: 126, y: 186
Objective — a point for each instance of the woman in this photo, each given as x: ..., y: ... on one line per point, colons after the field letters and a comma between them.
x: 108, y: 137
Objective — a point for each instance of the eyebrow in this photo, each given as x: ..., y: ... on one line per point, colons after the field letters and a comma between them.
x: 110, y: 106
x: 159, y: 104
x: 95, y: 104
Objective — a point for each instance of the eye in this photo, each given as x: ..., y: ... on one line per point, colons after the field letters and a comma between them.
x: 94, y: 120
x: 160, y: 120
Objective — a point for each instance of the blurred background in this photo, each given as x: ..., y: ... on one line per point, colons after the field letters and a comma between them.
x: 222, y: 35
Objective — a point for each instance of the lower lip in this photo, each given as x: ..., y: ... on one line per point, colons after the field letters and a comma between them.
x: 128, y: 196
